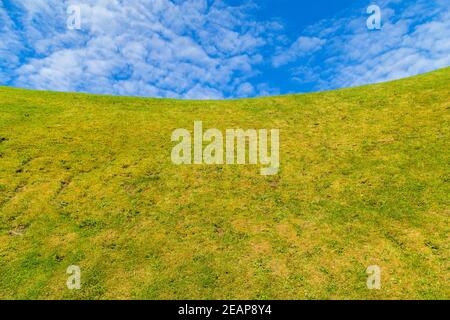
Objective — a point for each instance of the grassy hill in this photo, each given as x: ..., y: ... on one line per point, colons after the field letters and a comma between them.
x: 364, y: 180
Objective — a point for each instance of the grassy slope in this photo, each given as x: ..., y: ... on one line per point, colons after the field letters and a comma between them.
x: 364, y: 180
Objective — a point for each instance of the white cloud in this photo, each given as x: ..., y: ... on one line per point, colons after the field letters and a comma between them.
x: 203, y: 93
x: 414, y: 39
x: 205, y: 49
x: 303, y: 46
x: 191, y: 49
x: 10, y: 44
x: 246, y: 89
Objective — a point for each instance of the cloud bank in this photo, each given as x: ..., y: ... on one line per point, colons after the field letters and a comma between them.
x: 342, y: 52
x: 190, y: 49
x: 205, y: 49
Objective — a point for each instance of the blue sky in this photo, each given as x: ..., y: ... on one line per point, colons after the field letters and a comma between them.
x: 205, y: 49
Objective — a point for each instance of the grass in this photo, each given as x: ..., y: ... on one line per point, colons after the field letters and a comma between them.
x: 364, y: 180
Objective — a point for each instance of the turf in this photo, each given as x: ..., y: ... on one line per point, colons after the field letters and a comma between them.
x: 364, y: 180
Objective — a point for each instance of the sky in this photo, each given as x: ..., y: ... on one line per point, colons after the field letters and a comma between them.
x: 207, y: 49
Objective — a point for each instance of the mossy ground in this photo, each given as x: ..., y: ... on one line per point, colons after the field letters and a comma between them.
x: 364, y: 180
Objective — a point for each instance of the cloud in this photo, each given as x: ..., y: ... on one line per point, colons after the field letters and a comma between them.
x: 10, y: 44
x: 205, y: 49
x: 202, y: 93
x: 245, y: 90
x: 303, y: 46
x: 414, y: 39
x: 189, y: 49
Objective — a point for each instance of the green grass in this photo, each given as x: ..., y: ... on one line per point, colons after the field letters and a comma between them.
x: 364, y: 180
